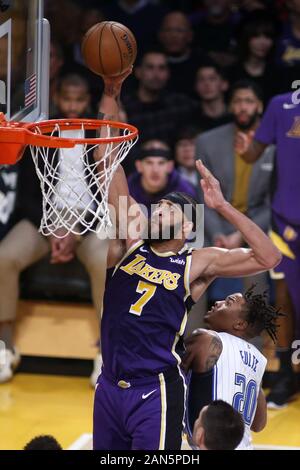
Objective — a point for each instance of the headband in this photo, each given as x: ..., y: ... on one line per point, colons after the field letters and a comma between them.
x: 144, y: 153
x: 183, y: 200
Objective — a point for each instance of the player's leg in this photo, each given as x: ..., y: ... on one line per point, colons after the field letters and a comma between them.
x: 108, y: 428
x: 21, y: 247
x: 156, y: 414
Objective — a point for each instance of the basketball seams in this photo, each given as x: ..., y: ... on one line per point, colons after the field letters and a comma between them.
x: 117, y: 42
x: 99, y: 50
x: 108, y: 48
x: 86, y: 37
x: 130, y: 35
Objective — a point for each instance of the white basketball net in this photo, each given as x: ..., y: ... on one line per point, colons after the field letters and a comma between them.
x: 75, y: 186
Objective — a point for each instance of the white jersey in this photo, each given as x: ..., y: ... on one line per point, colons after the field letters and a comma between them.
x: 237, y: 378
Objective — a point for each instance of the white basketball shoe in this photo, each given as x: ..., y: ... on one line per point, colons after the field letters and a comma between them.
x: 9, y: 361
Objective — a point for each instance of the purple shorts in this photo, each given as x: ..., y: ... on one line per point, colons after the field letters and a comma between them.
x: 287, y: 239
x: 140, y: 414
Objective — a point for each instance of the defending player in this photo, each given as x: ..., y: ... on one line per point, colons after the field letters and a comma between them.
x: 140, y: 396
x: 225, y: 366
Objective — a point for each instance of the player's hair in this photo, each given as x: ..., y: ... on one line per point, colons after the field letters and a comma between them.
x: 223, y: 426
x: 246, y: 84
x: 43, y: 443
x: 259, y: 314
x: 72, y: 79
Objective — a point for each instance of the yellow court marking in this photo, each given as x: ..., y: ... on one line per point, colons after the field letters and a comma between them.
x: 31, y: 405
x: 62, y: 406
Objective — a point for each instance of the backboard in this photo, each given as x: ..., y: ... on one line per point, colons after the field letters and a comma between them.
x: 24, y: 60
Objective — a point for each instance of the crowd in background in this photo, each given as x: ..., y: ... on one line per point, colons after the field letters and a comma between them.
x: 205, y: 71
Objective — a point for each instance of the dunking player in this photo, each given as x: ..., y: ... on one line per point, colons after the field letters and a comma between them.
x: 225, y: 365
x: 280, y: 125
x: 140, y: 396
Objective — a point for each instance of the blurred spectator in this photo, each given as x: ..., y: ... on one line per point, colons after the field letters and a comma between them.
x: 215, y: 30
x: 218, y: 427
x: 155, y: 176
x: 142, y: 17
x: 210, y: 88
x: 246, y: 6
x: 56, y: 64
x: 43, y: 443
x: 24, y: 245
x: 8, y: 185
x: 72, y: 97
x: 280, y: 126
x: 185, y: 154
x: 245, y: 186
x: 288, y: 45
x: 64, y: 17
x: 156, y: 112
x: 90, y: 17
x: 256, y: 46
x: 175, y: 37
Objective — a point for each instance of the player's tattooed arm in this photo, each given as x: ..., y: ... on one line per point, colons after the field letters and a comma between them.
x: 213, y: 353
x: 202, y: 350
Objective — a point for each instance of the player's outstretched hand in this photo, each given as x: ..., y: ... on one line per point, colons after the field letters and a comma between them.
x: 213, y: 196
x: 113, y: 85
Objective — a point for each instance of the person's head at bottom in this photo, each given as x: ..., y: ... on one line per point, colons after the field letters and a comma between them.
x: 219, y: 427
x: 43, y: 443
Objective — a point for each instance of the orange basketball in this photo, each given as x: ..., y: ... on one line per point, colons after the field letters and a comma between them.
x: 108, y: 48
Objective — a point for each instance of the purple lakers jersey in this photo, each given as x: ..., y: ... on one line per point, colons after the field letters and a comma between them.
x: 145, y: 308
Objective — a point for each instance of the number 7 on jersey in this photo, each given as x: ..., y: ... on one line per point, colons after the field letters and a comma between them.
x: 148, y: 291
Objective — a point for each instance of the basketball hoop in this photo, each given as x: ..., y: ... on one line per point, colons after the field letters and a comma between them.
x: 74, y: 184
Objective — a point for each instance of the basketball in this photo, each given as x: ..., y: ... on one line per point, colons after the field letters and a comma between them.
x: 109, y: 48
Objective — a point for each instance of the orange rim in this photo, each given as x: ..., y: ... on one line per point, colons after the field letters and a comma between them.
x: 15, y: 136
x: 39, y: 129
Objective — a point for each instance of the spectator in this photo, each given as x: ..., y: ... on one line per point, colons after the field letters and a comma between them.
x: 215, y: 31
x: 43, y: 443
x: 156, y: 112
x: 56, y: 64
x: 24, y: 245
x: 142, y: 17
x: 288, y: 46
x: 175, y: 37
x: 185, y: 154
x: 256, y: 45
x: 72, y: 97
x: 219, y: 427
x: 280, y: 126
x: 210, y: 87
x: 246, y: 186
x: 155, y: 176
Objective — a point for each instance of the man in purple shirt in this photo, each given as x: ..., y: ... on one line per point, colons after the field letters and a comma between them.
x: 155, y: 176
x: 281, y: 126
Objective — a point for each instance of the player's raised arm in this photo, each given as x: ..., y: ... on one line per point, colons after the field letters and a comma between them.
x: 125, y: 207
x: 213, y: 262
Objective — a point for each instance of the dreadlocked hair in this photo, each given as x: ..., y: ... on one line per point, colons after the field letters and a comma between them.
x: 260, y: 315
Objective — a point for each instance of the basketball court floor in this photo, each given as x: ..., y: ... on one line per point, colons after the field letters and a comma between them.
x: 62, y: 406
